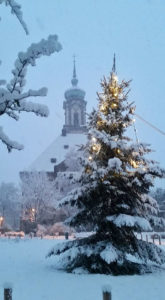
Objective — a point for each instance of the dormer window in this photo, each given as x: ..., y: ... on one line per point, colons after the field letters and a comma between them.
x: 53, y: 160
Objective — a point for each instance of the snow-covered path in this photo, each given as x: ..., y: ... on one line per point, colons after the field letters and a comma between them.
x: 23, y: 264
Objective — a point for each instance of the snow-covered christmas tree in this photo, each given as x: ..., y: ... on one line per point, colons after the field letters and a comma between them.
x: 113, y: 193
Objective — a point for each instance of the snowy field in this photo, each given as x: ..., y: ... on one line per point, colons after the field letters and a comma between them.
x: 23, y: 265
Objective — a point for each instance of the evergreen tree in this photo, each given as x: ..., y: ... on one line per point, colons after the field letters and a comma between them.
x: 115, y: 181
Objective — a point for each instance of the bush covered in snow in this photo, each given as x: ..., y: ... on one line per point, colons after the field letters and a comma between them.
x: 55, y: 229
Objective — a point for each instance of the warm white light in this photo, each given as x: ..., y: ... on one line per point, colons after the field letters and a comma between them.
x: 134, y: 164
x: 96, y: 148
x: 1, y: 221
x: 94, y: 140
x: 114, y: 77
x: 113, y: 105
x: 103, y: 108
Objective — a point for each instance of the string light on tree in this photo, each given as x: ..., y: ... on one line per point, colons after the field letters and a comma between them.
x: 100, y: 123
x: 114, y: 78
x: 90, y: 158
x: 115, y: 92
x: 134, y: 164
x: 118, y: 151
x: 88, y: 170
x: 96, y: 148
x: 103, y: 108
x: 94, y: 140
x: 114, y: 105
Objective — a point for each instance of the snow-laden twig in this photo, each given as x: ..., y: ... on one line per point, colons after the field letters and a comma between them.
x: 12, y: 98
x: 2, y: 81
x: 16, y: 10
x: 9, y: 143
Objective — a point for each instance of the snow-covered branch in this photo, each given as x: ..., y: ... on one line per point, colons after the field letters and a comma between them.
x: 16, y: 10
x: 12, y: 98
x: 2, y: 81
x: 44, y: 47
x: 9, y: 143
x: 38, y: 109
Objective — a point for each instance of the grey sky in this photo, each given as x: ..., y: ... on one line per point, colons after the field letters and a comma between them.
x: 93, y: 30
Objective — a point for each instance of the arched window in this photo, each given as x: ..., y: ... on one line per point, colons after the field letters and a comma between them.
x: 76, y: 119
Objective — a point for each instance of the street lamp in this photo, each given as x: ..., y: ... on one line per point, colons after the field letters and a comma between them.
x: 33, y: 214
x: 1, y: 221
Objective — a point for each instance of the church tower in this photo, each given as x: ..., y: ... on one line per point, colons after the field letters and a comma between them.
x: 74, y: 132
x: 75, y: 107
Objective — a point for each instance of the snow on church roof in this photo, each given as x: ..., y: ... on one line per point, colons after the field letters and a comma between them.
x: 57, y: 150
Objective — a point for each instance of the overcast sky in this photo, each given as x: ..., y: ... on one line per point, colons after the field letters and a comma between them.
x: 93, y: 30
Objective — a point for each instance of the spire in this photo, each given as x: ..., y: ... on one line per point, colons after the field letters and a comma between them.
x: 74, y: 66
x: 114, y: 64
x: 74, y: 80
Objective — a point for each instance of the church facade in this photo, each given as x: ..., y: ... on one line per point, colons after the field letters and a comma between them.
x: 73, y: 134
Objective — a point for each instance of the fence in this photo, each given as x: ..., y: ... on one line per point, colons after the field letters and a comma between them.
x: 150, y: 238
x: 106, y: 294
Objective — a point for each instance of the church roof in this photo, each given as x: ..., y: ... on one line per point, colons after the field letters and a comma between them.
x: 57, y: 150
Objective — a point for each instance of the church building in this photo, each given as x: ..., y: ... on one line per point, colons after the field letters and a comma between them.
x: 53, y: 161
x: 72, y: 135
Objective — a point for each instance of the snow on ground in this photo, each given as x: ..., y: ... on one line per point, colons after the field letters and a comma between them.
x: 23, y: 264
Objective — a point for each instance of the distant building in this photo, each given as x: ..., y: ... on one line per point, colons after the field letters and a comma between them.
x: 73, y: 134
